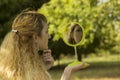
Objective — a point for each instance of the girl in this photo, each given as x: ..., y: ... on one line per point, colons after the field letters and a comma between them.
x: 19, y: 58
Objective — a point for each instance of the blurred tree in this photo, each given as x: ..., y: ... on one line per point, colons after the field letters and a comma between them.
x: 59, y: 47
x: 100, y: 19
x: 9, y: 8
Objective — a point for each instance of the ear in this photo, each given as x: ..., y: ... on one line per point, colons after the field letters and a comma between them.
x: 35, y: 37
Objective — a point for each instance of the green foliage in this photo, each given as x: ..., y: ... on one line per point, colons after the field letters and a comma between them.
x: 100, y: 19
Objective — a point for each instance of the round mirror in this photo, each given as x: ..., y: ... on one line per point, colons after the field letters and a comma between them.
x: 73, y: 34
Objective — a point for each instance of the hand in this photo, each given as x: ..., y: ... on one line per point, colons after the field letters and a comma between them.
x: 78, y: 64
x: 71, y: 69
x: 47, y: 58
x: 76, y: 67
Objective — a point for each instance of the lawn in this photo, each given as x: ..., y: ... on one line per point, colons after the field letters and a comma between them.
x: 101, y: 68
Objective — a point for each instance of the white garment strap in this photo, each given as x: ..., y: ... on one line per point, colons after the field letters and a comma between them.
x: 14, y: 31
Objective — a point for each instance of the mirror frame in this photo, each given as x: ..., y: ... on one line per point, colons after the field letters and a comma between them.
x: 81, y: 41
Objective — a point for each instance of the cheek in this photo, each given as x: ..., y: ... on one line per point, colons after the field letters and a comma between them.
x: 77, y: 36
x: 40, y: 42
x: 45, y: 39
x: 80, y: 35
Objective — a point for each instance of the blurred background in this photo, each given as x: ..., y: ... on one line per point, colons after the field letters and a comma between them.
x: 101, y: 22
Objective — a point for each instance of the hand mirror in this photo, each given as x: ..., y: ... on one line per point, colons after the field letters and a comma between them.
x: 73, y: 35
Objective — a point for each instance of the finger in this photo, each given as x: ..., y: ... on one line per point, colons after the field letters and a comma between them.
x: 47, y: 54
x: 47, y: 51
x: 47, y: 58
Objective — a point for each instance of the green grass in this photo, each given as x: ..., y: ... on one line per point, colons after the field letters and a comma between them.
x: 101, y: 68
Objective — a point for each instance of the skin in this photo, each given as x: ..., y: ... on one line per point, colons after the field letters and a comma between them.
x: 42, y: 42
x: 71, y: 69
x: 77, y: 34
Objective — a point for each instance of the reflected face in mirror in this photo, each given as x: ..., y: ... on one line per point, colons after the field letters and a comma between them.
x: 75, y: 34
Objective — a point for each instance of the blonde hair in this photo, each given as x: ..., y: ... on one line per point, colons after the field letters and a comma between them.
x: 19, y: 59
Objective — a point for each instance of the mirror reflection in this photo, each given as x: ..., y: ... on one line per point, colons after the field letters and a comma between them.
x: 73, y: 34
